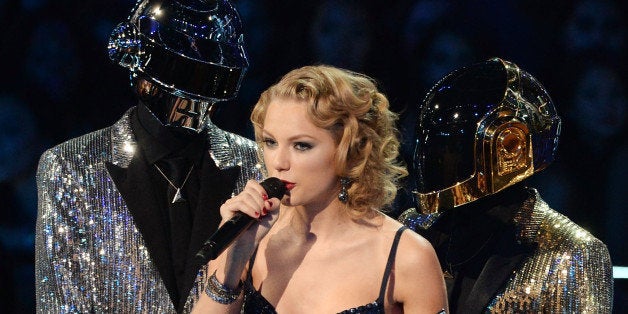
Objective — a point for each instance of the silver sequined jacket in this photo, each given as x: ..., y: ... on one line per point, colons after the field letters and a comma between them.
x: 90, y: 256
x: 569, y: 271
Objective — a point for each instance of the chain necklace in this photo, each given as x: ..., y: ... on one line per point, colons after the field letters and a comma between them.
x: 177, y: 196
x: 449, y: 272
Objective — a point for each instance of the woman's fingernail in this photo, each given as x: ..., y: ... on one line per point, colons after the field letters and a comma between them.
x: 264, y: 196
x: 256, y: 214
x: 264, y: 212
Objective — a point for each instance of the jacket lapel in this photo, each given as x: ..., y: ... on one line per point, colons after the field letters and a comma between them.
x: 220, y: 175
x: 135, y: 186
x: 496, y: 272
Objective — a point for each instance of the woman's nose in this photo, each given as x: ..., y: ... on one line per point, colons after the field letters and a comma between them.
x: 280, y: 159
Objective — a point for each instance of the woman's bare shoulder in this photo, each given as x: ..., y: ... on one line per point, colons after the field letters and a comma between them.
x: 413, y: 250
x: 419, y: 280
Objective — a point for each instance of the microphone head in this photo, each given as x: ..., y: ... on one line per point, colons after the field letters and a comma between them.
x: 274, y: 187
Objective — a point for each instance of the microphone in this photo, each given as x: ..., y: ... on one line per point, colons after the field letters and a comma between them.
x: 230, y: 230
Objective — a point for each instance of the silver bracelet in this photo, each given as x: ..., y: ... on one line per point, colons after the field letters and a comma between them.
x: 221, y: 293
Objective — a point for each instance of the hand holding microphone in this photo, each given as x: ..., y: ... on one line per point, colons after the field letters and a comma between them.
x: 231, y: 229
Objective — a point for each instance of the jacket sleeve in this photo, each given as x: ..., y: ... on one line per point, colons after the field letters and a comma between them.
x: 59, y: 264
x: 588, y: 283
x: 575, y: 279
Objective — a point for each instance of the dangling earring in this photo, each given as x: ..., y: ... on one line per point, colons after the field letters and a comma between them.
x: 343, y: 196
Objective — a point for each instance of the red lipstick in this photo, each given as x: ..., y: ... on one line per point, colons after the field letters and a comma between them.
x: 289, y: 185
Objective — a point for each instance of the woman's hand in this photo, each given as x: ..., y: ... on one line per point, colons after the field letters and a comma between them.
x: 252, y: 201
x: 229, y: 266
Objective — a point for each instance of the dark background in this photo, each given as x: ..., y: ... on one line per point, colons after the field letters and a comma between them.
x: 57, y: 83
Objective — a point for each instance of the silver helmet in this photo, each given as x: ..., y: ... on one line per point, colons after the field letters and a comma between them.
x: 184, y: 55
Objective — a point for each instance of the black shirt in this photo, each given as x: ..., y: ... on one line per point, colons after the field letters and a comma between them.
x: 179, y: 154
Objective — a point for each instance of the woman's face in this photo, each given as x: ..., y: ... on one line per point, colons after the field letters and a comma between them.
x: 300, y: 153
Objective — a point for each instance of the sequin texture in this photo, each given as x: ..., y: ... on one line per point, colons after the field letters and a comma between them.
x: 90, y: 256
x: 569, y: 272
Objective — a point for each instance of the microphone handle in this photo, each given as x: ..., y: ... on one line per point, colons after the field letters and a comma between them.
x: 230, y: 231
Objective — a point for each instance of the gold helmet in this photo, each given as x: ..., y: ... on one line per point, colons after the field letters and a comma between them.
x: 481, y: 129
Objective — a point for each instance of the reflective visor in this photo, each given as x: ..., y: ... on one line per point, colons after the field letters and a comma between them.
x: 445, y: 140
x: 193, y: 66
x: 444, y: 156
x: 197, y: 79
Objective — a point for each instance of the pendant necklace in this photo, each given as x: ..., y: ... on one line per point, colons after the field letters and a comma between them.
x: 177, y: 196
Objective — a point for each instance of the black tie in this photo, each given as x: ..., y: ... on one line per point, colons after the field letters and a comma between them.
x: 180, y: 216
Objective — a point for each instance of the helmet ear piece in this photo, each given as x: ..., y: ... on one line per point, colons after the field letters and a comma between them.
x: 125, y: 46
x: 510, y: 151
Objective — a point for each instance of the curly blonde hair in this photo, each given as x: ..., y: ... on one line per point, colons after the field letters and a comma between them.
x: 348, y: 105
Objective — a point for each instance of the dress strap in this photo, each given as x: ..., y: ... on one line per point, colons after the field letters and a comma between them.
x: 391, y: 261
x: 249, y: 276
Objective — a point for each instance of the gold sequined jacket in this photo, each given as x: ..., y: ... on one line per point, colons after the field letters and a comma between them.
x: 568, y: 271
x: 90, y: 256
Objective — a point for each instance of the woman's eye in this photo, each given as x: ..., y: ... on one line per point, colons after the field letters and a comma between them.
x: 269, y: 142
x: 302, y: 146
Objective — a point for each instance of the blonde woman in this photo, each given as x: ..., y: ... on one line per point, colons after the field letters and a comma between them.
x: 326, y: 246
